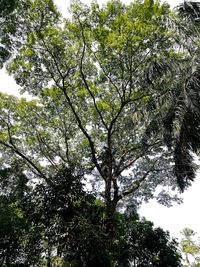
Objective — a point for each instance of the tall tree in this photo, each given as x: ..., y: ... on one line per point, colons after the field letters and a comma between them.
x: 189, y: 247
x: 183, y: 117
x: 110, y: 84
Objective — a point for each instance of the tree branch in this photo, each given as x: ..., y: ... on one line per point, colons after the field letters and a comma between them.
x: 14, y: 149
x: 84, y: 79
x: 91, y: 143
x: 136, y: 185
x: 63, y: 89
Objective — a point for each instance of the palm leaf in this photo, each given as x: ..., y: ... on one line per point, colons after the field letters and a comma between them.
x: 182, y: 125
x: 190, y: 10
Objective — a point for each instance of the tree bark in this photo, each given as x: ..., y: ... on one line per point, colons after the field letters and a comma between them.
x: 110, y: 210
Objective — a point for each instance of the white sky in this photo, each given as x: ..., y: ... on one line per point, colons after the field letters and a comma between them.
x: 64, y: 4
x: 174, y: 218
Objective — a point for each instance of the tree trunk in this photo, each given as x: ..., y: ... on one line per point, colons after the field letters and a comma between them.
x: 49, y: 258
x: 48, y: 262
x: 110, y: 209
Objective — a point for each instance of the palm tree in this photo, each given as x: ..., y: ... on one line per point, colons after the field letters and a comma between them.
x: 181, y: 121
x: 186, y: 112
x: 188, y: 245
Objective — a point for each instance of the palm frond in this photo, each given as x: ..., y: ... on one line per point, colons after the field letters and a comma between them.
x: 179, y: 114
x: 152, y: 129
x: 190, y: 10
x: 156, y: 69
x: 185, y: 169
x: 168, y: 127
x: 193, y: 90
x: 182, y: 128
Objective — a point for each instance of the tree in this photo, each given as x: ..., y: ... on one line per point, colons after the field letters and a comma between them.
x: 41, y: 226
x: 189, y: 246
x: 146, y: 245
x: 13, y: 30
x: 186, y: 107
x: 11, y: 26
x: 107, y: 103
x: 36, y: 219
x: 12, y: 223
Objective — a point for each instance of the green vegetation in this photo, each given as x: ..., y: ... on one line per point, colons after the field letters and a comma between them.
x: 62, y: 226
x: 115, y: 106
x: 190, y: 248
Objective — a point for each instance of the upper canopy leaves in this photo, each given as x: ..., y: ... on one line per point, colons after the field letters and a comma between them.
x: 110, y: 84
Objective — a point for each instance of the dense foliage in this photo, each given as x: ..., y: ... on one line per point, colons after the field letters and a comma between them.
x: 63, y: 227
x: 115, y: 106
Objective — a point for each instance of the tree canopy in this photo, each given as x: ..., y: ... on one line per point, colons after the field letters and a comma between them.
x: 115, y: 98
x: 62, y: 226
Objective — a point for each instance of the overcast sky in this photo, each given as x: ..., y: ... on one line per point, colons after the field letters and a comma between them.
x: 173, y: 219
x: 64, y: 4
